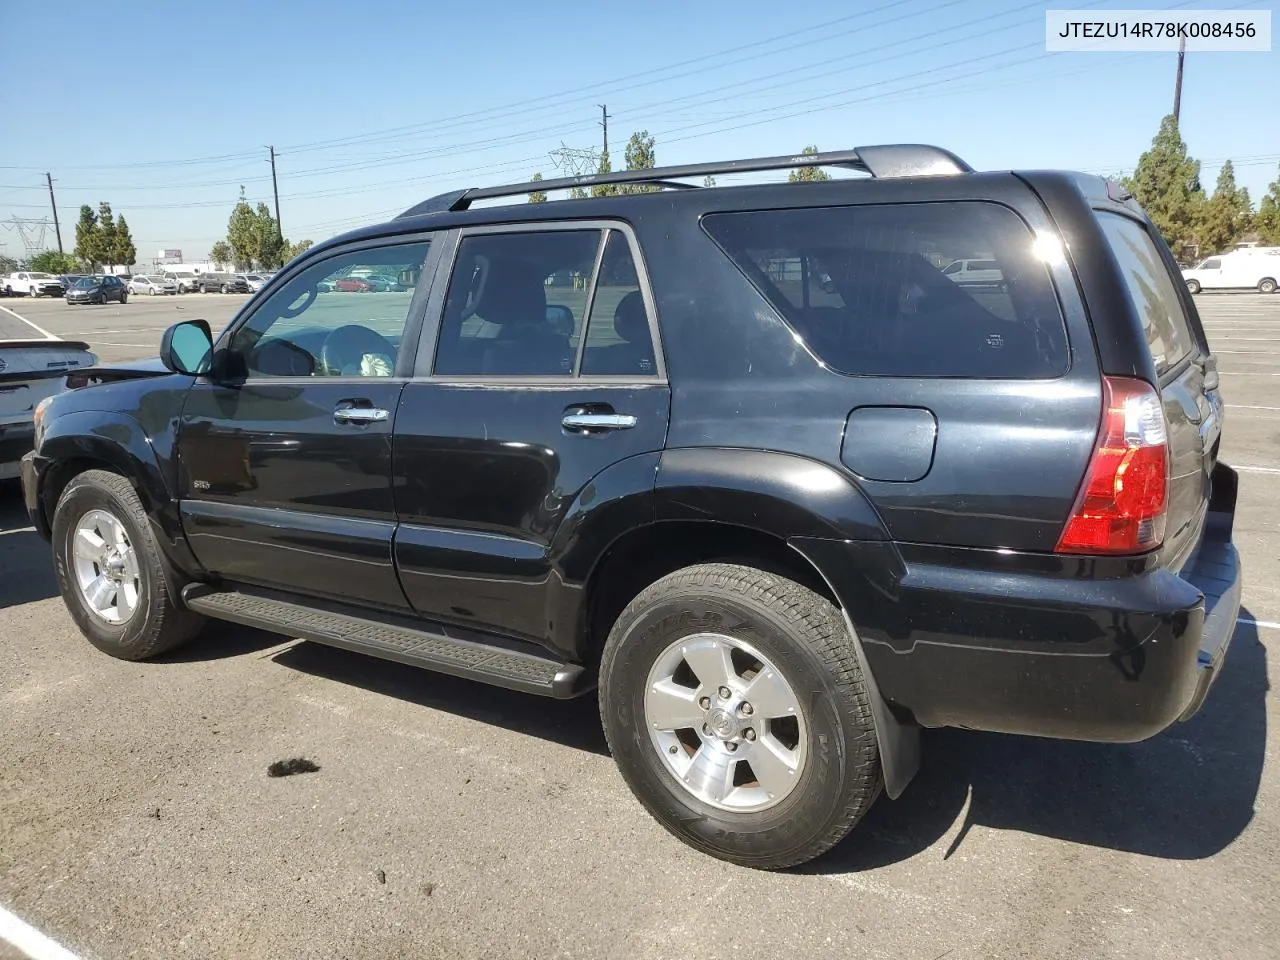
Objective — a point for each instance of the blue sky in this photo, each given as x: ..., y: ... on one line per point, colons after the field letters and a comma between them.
x: 375, y: 106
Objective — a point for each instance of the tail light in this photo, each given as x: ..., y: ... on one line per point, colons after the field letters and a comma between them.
x: 1121, y: 505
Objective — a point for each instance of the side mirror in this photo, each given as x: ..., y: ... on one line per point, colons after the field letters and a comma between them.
x: 187, y: 347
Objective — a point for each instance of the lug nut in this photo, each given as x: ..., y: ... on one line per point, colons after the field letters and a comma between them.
x: 749, y: 734
x: 672, y: 749
x: 731, y: 746
x: 747, y: 709
x: 705, y: 703
x: 725, y: 693
x: 706, y: 730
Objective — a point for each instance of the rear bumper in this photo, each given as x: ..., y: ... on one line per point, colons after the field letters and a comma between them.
x: 1047, y: 646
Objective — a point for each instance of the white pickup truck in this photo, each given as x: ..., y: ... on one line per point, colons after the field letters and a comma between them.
x: 33, y: 284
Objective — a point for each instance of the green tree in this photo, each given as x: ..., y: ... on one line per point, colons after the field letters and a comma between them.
x: 269, y: 247
x: 538, y: 196
x: 640, y: 155
x: 808, y: 174
x: 1167, y: 184
x: 299, y: 248
x: 605, y: 189
x: 577, y: 193
x: 107, y: 233
x: 708, y: 181
x: 242, y: 234
x: 1268, y: 219
x: 221, y: 252
x: 122, y: 249
x: 1226, y: 215
x: 88, y: 237
x: 51, y: 261
x: 8, y: 265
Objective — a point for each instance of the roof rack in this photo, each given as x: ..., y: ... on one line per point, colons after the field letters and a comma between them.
x: 882, y: 162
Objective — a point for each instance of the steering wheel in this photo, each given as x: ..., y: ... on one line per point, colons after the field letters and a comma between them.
x: 346, y: 346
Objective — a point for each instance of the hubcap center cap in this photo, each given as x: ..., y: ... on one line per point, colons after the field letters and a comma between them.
x: 113, y: 564
x: 722, y: 723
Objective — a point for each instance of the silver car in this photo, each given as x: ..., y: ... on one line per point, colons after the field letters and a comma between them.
x: 153, y: 286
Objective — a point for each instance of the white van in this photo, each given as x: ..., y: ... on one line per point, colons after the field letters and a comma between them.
x: 1238, y: 270
x: 976, y: 273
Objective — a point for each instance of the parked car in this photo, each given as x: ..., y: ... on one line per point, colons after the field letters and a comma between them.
x: 98, y: 290
x: 68, y: 279
x: 377, y: 282
x: 1238, y: 270
x: 187, y: 281
x: 980, y: 273
x: 253, y: 281
x: 352, y: 284
x: 32, y: 284
x: 30, y: 371
x: 153, y: 286
x: 221, y: 283
x: 775, y: 533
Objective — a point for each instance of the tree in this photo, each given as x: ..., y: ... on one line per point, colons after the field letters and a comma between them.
x: 538, y: 196
x: 270, y: 244
x: 808, y: 174
x: 605, y: 189
x: 577, y: 193
x: 221, y: 252
x: 51, y: 261
x: 1167, y: 184
x: 122, y: 249
x: 708, y: 181
x: 107, y: 232
x: 88, y: 237
x: 640, y: 155
x: 242, y: 234
x: 1226, y: 215
x: 1268, y: 219
x: 292, y: 250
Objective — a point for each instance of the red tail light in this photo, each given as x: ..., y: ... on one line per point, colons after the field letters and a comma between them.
x: 1121, y: 506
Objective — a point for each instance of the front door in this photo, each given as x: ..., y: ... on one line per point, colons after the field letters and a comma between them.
x: 545, y: 375
x: 285, y: 454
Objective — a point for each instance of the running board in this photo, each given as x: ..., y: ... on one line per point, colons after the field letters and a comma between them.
x: 427, y: 646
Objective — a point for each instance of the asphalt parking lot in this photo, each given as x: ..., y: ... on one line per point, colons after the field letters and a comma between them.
x: 449, y: 819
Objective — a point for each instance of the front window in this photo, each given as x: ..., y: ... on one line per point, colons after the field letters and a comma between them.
x: 41, y: 276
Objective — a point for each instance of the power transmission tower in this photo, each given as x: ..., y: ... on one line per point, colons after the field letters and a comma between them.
x: 1177, y: 85
x: 575, y: 161
x: 54, y: 204
x: 30, y: 232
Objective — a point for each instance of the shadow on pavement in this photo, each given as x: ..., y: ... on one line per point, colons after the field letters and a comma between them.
x: 1183, y: 795
x: 26, y: 566
x: 574, y: 723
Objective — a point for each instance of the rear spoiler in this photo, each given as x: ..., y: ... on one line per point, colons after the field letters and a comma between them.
x: 58, y: 369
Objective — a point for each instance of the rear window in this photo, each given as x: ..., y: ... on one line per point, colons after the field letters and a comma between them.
x: 875, y: 290
x: 1150, y: 288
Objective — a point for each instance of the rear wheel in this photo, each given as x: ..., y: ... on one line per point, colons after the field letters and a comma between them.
x: 151, y: 291
x: 109, y: 570
x: 1267, y: 285
x: 1193, y: 286
x: 224, y: 288
x: 124, y: 297
x: 735, y: 707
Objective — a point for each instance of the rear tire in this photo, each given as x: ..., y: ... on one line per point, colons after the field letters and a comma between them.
x: 224, y: 288
x: 124, y: 298
x: 1193, y: 286
x: 1267, y: 285
x: 810, y: 731
x: 151, y: 291
x: 116, y: 592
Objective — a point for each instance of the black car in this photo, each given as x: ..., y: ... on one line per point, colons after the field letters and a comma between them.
x: 221, y: 283
x: 97, y: 290
x: 756, y: 470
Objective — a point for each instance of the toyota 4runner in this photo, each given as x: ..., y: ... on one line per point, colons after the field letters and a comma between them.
x: 746, y: 460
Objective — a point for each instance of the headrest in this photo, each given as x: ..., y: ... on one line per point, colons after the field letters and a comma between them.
x: 629, y: 319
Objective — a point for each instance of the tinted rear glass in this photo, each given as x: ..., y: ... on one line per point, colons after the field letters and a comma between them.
x: 1150, y: 288
x: 865, y: 287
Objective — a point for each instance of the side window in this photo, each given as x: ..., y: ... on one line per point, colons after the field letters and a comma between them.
x: 953, y: 268
x: 1151, y: 289
x: 881, y: 299
x: 1211, y: 265
x: 619, y: 342
x: 317, y: 325
x: 516, y: 304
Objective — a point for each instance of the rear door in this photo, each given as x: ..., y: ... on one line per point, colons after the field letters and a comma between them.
x: 540, y: 373
x: 1184, y: 369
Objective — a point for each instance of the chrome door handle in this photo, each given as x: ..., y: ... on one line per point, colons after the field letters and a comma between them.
x: 598, y: 421
x: 360, y: 415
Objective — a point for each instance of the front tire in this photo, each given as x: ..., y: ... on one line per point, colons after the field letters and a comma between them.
x: 1267, y: 285
x: 718, y: 664
x: 1193, y: 286
x: 224, y: 288
x: 124, y: 298
x: 109, y: 570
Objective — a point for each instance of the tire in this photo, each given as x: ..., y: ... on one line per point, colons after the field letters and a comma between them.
x: 1193, y: 286
x: 154, y: 624
x: 1267, y: 285
x: 124, y: 298
x: 151, y: 291
x: 787, y: 631
x: 224, y: 288
x: 33, y: 293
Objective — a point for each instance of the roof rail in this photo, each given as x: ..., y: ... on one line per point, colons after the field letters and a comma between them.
x: 882, y: 162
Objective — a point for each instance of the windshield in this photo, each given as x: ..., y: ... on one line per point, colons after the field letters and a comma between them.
x: 40, y: 276
x: 86, y: 282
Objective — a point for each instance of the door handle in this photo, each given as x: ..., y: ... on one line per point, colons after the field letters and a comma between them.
x: 359, y: 415
x: 598, y: 421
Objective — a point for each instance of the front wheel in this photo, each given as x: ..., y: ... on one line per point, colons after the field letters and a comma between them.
x: 151, y: 292
x: 224, y: 288
x: 1267, y: 286
x: 109, y: 570
x: 735, y: 707
x: 1193, y: 286
x: 124, y: 298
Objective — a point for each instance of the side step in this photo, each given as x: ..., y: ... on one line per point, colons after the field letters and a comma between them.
x: 426, y: 645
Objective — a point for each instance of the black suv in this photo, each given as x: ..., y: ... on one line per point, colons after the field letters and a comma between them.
x: 221, y: 283
x: 745, y: 459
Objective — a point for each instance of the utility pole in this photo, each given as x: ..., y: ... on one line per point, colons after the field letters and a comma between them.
x: 53, y: 203
x: 1177, y: 86
x: 604, y: 122
x: 276, y: 193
